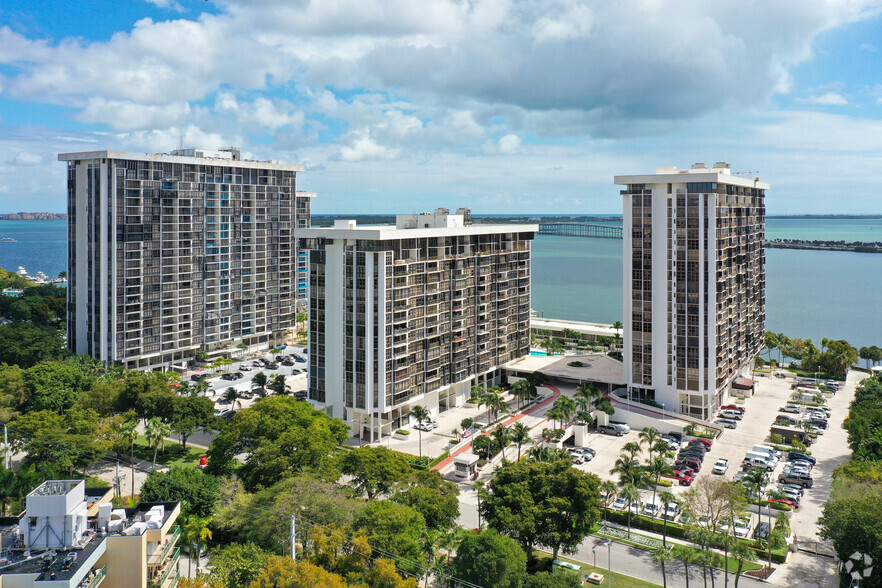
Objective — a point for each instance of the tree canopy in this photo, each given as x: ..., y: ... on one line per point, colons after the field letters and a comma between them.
x: 280, y: 436
x: 375, y: 470
x: 432, y: 496
x: 395, y: 529
x: 543, y: 503
x: 198, y: 492
x: 486, y: 558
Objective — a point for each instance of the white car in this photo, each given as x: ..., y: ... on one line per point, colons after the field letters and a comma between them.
x: 794, y: 408
x: 649, y: 509
x: 721, y: 466
x: 620, y: 503
x: 671, y: 512
x: 742, y: 527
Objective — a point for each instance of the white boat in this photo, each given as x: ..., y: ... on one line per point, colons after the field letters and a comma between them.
x: 22, y: 272
x: 58, y: 281
x: 41, y: 278
x: 8, y: 240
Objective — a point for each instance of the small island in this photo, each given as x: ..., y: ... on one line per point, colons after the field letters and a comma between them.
x: 856, y: 246
x: 34, y: 216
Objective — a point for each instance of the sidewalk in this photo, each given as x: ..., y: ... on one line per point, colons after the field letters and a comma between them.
x: 555, y: 393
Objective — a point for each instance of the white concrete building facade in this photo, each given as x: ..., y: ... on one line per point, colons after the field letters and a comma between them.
x: 173, y: 253
x: 413, y: 314
x: 694, y: 284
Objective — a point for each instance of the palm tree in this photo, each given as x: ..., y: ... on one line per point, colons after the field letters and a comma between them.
x: 421, y: 414
x: 555, y: 414
x: 629, y: 470
x: 755, y: 481
x: 478, y: 487
x: 631, y: 494
x: 196, y: 533
x: 585, y: 396
x: 477, y: 393
x: 618, y: 327
x: 686, y: 555
x: 153, y: 430
x: 231, y: 396
x: 200, y: 387
x: 662, y: 555
x: 502, y: 436
x: 258, y: 383
x: 130, y: 434
x: 520, y: 434
x: 494, y: 403
x: 547, y: 454
x: 278, y: 385
x: 567, y: 408
x: 631, y: 448
x: 667, y: 498
x: 657, y: 468
x: 609, y: 489
x: 741, y: 553
x: 522, y: 391
x: 650, y: 437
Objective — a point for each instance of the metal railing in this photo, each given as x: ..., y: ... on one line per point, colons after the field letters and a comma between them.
x: 95, y: 580
x: 159, y: 557
x: 170, y: 568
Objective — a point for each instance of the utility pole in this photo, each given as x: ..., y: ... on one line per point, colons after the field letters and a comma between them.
x: 293, y: 539
x: 117, y: 480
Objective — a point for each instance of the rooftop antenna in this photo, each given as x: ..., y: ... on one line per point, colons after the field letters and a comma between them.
x: 747, y: 174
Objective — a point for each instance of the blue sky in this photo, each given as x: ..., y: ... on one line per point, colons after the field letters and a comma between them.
x: 499, y: 105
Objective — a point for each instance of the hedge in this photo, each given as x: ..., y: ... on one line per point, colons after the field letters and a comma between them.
x: 439, y: 459
x: 680, y: 532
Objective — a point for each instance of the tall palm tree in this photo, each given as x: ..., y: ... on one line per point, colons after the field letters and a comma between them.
x: 755, y: 481
x: 555, y: 414
x: 657, y: 468
x: 130, y: 434
x: 278, y: 386
x: 478, y: 487
x: 502, y: 436
x: 632, y: 448
x: 200, y: 387
x: 585, y: 396
x: 520, y: 434
x: 650, y: 436
x: 629, y: 470
x: 618, y: 327
x: 667, y: 498
x: 522, y: 391
x: 609, y: 489
x: 259, y: 382
x: 196, y: 533
x: 631, y: 494
x: 494, y: 403
x: 154, y: 433
x: 741, y: 552
x: 685, y: 554
x: 231, y: 396
x: 421, y: 414
x: 662, y: 555
x: 567, y: 408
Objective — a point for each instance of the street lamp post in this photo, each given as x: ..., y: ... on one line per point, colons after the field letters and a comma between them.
x: 609, y: 559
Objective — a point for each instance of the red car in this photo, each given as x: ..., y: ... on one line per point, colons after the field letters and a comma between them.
x: 685, y: 477
x: 706, y: 442
x: 733, y: 407
x: 694, y: 464
x: 789, y: 503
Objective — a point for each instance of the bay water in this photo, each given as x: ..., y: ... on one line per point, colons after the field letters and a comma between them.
x: 809, y: 294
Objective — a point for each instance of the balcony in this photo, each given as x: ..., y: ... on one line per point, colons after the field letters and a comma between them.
x: 95, y: 578
x: 160, y: 556
x: 169, y: 571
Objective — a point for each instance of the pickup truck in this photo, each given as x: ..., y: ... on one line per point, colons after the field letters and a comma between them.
x: 721, y: 466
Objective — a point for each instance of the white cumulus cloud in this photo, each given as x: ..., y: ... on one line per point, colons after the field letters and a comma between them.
x: 827, y: 99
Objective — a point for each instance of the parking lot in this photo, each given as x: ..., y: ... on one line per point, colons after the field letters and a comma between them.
x: 830, y: 449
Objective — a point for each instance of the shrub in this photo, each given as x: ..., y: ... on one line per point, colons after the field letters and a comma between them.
x: 482, y: 463
x: 402, y: 432
x: 665, y: 482
x: 576, y: 364
x: 776, y: 438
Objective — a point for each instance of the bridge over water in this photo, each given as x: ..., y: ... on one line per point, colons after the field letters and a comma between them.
x: 581, y: 230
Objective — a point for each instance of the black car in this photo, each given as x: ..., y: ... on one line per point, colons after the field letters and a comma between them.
x: 691, y: 455
x: 761, y: 531
x: 288, y: 362
x: 818, y: 423
x: 272, y: 366
x: 197, y: 377
x: 229, y: 376
x: 803, y: 456
x: 301, y: 395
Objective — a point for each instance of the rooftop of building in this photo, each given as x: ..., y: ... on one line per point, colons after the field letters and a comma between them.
x: 228, y: 156
x: 596, y: 367
x: 440, y: 223
x: 720, y: 173
x: 19, y: 560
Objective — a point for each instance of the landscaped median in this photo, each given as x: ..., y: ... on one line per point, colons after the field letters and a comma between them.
x: 618, y: 580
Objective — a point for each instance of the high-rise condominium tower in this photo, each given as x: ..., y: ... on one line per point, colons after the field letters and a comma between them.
x: 413, y: 314
x: 694, y: 284
x: 170, y: 254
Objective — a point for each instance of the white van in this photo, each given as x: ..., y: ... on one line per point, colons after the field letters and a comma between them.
x: 770, y: 452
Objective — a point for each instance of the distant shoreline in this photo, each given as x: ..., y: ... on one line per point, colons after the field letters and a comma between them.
x: 34, y: 216
x: 857, y: 246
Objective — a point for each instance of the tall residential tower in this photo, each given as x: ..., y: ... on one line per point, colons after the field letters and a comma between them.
x: 694, y: 284
x: 413, y: 314
x: 170, y: 254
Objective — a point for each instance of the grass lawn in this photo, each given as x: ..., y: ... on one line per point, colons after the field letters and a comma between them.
x: 173, y: 456
x: 619, y: 580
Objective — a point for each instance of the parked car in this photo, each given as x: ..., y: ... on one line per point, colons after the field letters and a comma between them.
x: 620, y: 503
x: 721, y: 466
x: 727, y: 423
x: 706, y: 442
x: 672, y: 511
x: 733, y: 407
x: 793, y: 408
x: 792, y: 504
x: 817, y: 422
x: 762, y: 531
x: 804, y: 480
x: 197, y: 377
x: 742, y: 527
x: 585, y: 454
x: 796, y: 488
x: 614, y: 429
x: 244, y: 368
x: 576, y: 459
x: 650, y: 509
x: 688, y: 461
x: 731, y: 414
x: 684, y: 478
x: 793, y: 455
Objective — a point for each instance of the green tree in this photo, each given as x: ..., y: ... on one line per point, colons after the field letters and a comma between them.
x: 156, y: 432
x: 421, y: 415
x: 661, y: 556
x: 522, y: 391
x: 279, y: 436
x: 26, y: 345
x: 191, y: 413
x: 374, y: 470
x: 278, y: 386
x: 501, y: 437
x: 567, y: 408
x: 520, y: 434
x: 666, y: 498
x: 618, y: 327
x: 741, y: 553
x: 238, y: 564
x: 195, y: 533
x: 494, y: 403
x: 657, y: 468
x: 394, y: 529
x: 851, y: 521
x: 631, y: 494
x: 540, y: 503
x: 488, y: 559
x: 197, y: 491
x: 53, y: 385
x: 433, y: 497
x: 231, y: 396
x: 554, y: 579
x: 629, y: 470
x: 608, y: 490
x: 259, y: 383
x: 685, y: 554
